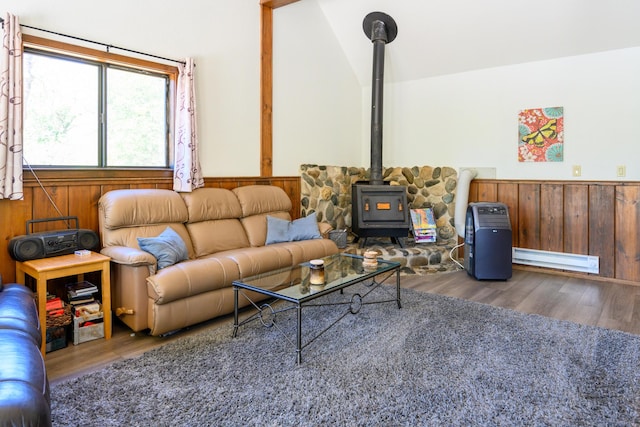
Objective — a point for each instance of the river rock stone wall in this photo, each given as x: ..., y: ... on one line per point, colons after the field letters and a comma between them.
x: 326, y: 190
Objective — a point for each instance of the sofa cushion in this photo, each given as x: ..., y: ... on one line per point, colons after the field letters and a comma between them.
x: 214, y: 224
x: 140, y: 207
x: 258, y: 202
x: 19, y: 312
x: 210, y: 237
x: 191, y: 278
x: 206, y: 204
x: 255, y: 227
x: 305, y: 250
x: 24, y: 388
x: 279, y: 230
x: 168, y: 248
x: 125, y: 215
x: 261, y: 199
x: 252, y: 261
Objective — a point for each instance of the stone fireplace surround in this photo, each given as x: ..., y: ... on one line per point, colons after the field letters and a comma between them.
x: 326, y: 190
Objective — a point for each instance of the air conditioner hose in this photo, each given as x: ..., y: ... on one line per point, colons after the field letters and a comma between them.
x: 462, y: 199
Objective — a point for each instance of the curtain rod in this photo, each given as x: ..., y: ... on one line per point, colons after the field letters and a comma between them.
x: 108, y: 46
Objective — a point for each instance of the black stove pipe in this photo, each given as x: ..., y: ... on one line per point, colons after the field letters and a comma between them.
x: 381, y: 29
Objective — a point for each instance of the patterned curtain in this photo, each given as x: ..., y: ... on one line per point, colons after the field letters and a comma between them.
x: 11, y: 110
x: 187, y: 174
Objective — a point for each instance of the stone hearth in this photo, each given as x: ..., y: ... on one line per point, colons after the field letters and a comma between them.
x: 326, y: 190
x: 421, y: 258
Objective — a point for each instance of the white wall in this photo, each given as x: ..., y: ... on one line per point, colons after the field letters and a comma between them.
x: 223, y: 36
x: 470, y: 119
x: 322, y: 115
x: 316, y: 95
x: 316, y: 115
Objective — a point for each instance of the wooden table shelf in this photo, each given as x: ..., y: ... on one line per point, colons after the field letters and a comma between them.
x: 45, y: 269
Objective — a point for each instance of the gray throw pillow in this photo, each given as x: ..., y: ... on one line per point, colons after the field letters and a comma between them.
x: 280, y: 230
x: 168, y: 248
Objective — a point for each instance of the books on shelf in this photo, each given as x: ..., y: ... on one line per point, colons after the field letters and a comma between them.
x: 81, y: 289
x: 54, y: 303
x: 54, y: 307
x: 88, y: 317
x: 82, y: 299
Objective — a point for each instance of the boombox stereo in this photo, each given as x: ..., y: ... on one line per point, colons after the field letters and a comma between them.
x: 51, y: 243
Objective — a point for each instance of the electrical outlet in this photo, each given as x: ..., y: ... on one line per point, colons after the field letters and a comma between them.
x: 621, y: 171
x: 577, y: 170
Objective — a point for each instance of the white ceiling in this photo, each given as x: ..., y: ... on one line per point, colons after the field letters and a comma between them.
x: 452, y: 36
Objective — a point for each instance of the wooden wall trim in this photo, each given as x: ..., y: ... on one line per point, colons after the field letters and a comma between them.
x: 266, y: 82
x: 266, y: 91
x: 593, y: 218
x: 72, y: 177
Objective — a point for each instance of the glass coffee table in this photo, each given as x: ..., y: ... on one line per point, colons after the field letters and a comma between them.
x: 291, y: 289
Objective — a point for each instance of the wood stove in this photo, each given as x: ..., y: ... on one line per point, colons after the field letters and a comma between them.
x: 378, y: 210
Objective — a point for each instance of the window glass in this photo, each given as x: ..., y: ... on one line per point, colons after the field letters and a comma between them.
x: 136, y: 119
x: 61, y: 109
x: 84, y: 113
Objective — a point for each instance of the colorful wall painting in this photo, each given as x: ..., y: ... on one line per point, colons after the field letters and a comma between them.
x: 541, y: 135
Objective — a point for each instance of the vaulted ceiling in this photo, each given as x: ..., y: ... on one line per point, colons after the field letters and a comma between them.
x: 444, y: 37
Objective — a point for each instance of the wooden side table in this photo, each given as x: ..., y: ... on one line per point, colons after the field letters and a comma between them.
x: 46, y: 269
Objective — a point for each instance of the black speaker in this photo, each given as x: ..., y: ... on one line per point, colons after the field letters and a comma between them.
x: 25, y: 248
x: 52, y: 243
x: 88, y: 239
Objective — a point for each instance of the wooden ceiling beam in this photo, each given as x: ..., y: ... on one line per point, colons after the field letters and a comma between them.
x: 274, y: 4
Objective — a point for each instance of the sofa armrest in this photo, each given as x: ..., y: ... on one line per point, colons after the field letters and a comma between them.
x: 128, y: 256
x: 324, y: 228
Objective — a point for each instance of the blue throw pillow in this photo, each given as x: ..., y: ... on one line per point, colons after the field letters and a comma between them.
x: 277, y: 230
x: 168, y: 248
x: 304, y: 229
x: 280, y: 230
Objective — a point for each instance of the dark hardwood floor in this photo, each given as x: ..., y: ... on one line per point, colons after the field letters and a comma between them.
x: 590, y: 302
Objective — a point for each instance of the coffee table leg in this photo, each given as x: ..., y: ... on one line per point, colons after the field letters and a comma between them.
x: 398, y: 288
x: 235, y: 311
x: 299, y: 335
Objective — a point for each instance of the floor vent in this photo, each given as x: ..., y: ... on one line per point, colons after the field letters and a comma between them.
x: 557, y: 260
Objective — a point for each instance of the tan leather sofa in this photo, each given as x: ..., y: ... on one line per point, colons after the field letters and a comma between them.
x: 224, y: 232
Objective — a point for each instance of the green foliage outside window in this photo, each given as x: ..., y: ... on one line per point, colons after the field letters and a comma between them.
x: 87, y: 114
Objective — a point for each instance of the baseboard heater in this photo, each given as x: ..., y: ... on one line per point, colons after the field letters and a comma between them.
x: 557, y: 260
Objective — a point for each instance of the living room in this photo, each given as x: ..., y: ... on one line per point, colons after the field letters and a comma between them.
x: 454, y: 86
x: 422, y: 108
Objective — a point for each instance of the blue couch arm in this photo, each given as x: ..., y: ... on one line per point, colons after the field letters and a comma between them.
x: 24, y: 387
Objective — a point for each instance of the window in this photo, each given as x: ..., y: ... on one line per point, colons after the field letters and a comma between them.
x: 85, y: 108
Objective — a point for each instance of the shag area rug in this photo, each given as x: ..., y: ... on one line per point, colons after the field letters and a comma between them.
x: 437, y: 361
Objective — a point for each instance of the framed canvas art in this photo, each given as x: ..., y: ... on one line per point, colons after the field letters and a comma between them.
x: 541, y: 135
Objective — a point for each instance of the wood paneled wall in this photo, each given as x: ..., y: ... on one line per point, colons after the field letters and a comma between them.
x: 76, y: 193
x: 593, y: 218
x: 590, y: 218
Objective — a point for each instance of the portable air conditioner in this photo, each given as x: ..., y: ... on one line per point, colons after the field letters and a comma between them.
x: 487, y: 254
